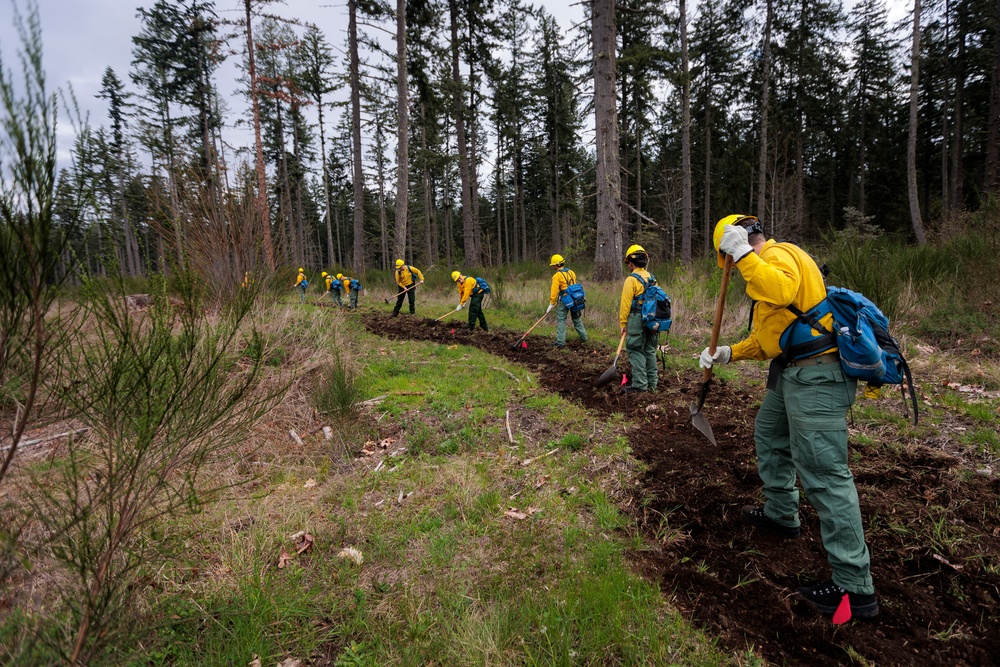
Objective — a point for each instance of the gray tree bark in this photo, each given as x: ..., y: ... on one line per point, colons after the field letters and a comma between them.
x: 911, y: 144
x: 608, y: 257
x: 685, y: 139
x: 359, y: 183
x: 402, y: 135
x: 764, y: 104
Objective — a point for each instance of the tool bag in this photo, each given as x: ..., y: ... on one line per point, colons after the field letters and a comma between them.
x: 861, y: 335
x: 355, y: 285
x: 573, y: 297
x: 482, y: 287
x: 653, y: 305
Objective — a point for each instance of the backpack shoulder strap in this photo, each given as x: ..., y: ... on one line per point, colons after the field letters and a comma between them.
x: 642, y: 281
x: 811, y: 318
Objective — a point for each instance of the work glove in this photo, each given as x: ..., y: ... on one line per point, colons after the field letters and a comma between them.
x: 722, y: 355
x: 734, y: 242
x: 458, y: 307
x: 549, y: 309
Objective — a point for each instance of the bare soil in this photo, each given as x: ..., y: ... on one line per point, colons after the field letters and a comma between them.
x: 940, y: 605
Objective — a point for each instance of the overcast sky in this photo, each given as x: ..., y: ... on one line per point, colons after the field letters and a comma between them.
x: 82, y: 37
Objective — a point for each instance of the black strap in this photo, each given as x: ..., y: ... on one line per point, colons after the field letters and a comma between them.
x: 816, y: 345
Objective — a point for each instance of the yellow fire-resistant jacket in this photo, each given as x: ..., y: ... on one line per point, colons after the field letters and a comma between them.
x: 782, y: 274
x: 405, y: 273
x: 465, y: 288
x: 631, y: 289
x: 346, y: 282
x: 560, y: 281
x: 329, y: 282
x: 298, y: 280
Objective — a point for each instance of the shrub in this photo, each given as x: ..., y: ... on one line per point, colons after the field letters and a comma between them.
x: 337, y: 393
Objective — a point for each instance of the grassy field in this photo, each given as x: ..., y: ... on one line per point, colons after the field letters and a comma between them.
x: 489, y: 516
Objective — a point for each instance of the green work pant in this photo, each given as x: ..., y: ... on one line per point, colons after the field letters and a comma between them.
x: 640, y: 343
x: 354, y: 298
x: 801, y: 429
x: 561, y: 313
x: 302, y: 293
x: 476, y: 312
x: 336, y: 297
x: 400, y: 295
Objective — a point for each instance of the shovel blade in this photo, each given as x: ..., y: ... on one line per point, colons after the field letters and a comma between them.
x: 701, y: 423
x: 607, y: 376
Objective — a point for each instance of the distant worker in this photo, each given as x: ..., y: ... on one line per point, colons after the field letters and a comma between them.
x: 561, y: 280
x: 640, y: 342
x: 246, y: 279
x: 407, y: 279
x: 328, y: 282
x: 302, y: 283
x: 801, y: 426
x: 336, y: 288
x: 472, y: 290
x: 352, y: 286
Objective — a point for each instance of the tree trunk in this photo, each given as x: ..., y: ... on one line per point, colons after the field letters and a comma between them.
x: 911, y: 144
x: 382, y: 225
x: 473, y: 162
x: 992, y: 179
x: 764, y: 105
x: 263, y: 216
x: 685, y: 140
x: 709, y: 243
x: 402, y: 135
x: 608, y: 257
x: 956, y: 195
x: 468, y: 231
x: 359, y: 183
x: 326, y: 183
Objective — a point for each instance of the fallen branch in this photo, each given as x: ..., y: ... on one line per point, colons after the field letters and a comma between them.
x: 373, y: 401
x: 48, y: 438
x: 538, y: 458
x: 510, y: 436
x: 504, y: 370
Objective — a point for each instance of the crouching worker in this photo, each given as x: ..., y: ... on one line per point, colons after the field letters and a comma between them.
x: 801, y: 427
x: 561, y: 280
x: 407, y: 279
x: 472, y: 290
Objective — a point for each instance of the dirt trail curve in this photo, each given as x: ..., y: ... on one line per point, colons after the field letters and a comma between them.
x: 936, y: 608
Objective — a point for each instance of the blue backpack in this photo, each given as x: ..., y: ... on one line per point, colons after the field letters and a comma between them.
x: 653, y: 304
x: 304, y: 284
x: 482, y: 287
x: 336, y: 285
x: 355, y: 285
x: 867, y: 351
x: 573, y: 297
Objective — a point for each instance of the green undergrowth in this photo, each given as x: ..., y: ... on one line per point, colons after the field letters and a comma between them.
x: 477, y: 550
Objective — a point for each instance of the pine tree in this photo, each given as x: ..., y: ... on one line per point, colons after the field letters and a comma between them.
x: 608, y: 255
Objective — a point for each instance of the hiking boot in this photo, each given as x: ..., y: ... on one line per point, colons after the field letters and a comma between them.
x: 558, y: 346
x: 826, y: 597
x: 632, y: 389
x: 755, y: 516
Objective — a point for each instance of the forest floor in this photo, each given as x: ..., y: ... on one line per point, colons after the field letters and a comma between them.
x: 931, y: 508
x: 504, y: 511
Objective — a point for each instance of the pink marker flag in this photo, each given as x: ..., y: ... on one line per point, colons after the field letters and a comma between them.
x: 624, y: 379
x: 524, y: 345
x: 843, y: 613
x: 453, y: 331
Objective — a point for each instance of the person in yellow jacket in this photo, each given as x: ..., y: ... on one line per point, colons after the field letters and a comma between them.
x: 407, y: 279
x: 562, y: 279
x: 301, y: 283
x: 469, y: 291
x: 801, y: 427
x: 351, y: 294
x: 640, y: 342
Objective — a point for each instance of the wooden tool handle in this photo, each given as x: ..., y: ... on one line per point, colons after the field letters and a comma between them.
x: 620, y: 343
x: 534, y: 325
x: 720, y: 306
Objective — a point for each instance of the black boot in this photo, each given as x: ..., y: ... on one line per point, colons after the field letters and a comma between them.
x: 826, y: 597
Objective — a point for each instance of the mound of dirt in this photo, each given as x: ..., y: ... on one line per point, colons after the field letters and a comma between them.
x: 933, y: 528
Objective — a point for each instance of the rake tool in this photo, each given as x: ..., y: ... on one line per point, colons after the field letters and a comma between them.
x: 404, y: 291
x: 612, y: 372
x: 518, y: 342
x: 446, y: 315
x: 697, y: 417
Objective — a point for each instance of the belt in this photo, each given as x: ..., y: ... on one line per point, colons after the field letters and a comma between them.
x: 828, y: 358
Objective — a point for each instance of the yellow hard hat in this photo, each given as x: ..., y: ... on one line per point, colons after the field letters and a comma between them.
x: 339, y: 276
x: 731, y: 220
x: 634, y: 249
x: 325, y: 274
x: 301, y: 270
x: 399, y: 263
x: 455, y: 275
x: 557, y: 260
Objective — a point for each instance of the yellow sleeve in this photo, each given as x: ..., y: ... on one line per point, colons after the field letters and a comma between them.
x: 299, y: 279
x: 466, y: 291
x: 347, y: 286
x: 556, y: 287
x: 416, y: 272
x: 630, y: 289
x: 775, y: 282
x: 399, y: 277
